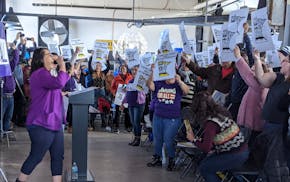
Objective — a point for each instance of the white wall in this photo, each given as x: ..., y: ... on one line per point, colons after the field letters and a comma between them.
x: 89, y: 30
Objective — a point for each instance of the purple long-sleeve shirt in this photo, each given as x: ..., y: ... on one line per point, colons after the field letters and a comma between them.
x: 46, y: 108
x: 9, y: 82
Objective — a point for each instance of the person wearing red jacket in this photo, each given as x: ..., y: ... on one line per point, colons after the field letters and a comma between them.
x: 122, y: 78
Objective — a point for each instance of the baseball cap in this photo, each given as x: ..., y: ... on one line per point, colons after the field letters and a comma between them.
x: 285, y: 50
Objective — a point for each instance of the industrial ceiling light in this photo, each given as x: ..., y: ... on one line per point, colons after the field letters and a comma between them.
x: 10, y: 18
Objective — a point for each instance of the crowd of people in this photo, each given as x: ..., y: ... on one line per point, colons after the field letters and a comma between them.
x: 234, y: 102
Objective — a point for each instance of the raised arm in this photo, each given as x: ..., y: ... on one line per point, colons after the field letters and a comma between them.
x: 265, y: 79
x: 245, y: 71
x: 183, y: 86
x: 150, y: 82
x: 195, y: 68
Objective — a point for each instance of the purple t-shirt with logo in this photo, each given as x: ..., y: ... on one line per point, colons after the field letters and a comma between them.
x: 168, y: 99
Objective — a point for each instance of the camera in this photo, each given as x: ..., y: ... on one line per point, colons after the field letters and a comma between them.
x: 28, y: 38
x: 22, y: 34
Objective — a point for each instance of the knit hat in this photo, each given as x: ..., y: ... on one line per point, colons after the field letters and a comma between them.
x: 285, y: 50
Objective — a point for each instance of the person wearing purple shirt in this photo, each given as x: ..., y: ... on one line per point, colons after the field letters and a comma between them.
x: 8, y: 91
x: 167, y: 117
x: 46, y: 114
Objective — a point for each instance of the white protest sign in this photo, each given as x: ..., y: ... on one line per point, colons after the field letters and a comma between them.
x: 165, y: 66
x: 140, y: 81
x: 132, y: 56
x: 188, y: 46
x: 199, y: 58
x: 237, y: 19
x: 147, y: 59
x: 120, y: 95
x: 3, y: 53
x: 83, y: 49
x: 272, y: 59
x: 66, y: 51
x: 217, y: 32
x: 100, y: 52
x: 261, y: 32
x: 53, y: 48
x: 165, y: 45
x: 210, y: 52
x: 227, y: 44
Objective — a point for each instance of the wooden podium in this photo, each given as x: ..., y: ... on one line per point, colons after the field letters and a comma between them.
x: 80, y: 101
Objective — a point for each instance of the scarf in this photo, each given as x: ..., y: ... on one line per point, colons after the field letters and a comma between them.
x: 226, y: 72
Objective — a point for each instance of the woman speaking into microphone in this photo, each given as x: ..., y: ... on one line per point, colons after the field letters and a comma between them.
x: 45, y: 115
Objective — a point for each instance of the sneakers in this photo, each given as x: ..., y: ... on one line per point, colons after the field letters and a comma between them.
x: 116, y: 130
x: 171, y: 164
x: 108, y: 129
x: 156, y: 162
x: 135, y: 142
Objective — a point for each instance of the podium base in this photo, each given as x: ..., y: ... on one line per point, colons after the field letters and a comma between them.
x: 88, y: 178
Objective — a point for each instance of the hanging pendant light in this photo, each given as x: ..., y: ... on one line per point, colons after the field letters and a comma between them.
x: 10, y: 18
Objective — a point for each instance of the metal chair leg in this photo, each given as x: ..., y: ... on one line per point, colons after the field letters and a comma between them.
x: 3, y: 175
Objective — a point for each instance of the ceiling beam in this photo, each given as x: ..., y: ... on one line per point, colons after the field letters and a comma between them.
x: 196, y: 20
x: 80, y: 6
x: 104, y: 7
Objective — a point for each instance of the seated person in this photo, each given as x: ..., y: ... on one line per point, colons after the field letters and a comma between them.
x: 222, y: 138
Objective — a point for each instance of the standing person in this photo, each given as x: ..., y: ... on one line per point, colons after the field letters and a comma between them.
x: 250, y: 110
x: 276, y: 117
x: 99, y: 82
x: 122, y: 78
x: 136, y: 104
x: 167, y: 117
x: 8, y: 90
x: 46, y: 115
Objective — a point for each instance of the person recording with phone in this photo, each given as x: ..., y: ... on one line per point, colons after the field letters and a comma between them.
x: 23, y: 48
x: 46, y: 114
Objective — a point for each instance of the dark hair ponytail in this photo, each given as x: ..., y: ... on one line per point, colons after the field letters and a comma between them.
x: 37, y: 59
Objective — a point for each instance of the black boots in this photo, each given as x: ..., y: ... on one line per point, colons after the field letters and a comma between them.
x: 171, y: 164
x: 156, y: 161
x: 135, y: 142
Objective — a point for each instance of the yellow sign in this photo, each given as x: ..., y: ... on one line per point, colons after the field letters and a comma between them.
x: 110, y: 43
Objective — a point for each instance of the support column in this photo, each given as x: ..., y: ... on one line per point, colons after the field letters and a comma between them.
x: 286, y: 40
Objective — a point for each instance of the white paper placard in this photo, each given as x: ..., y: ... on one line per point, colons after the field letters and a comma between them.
x: 66, y: 51
x: 237, y: 19
x: 199, y: 58
x: 261, y: 32
x: 132, y: 57
x: 210, y: 52
x: 101, y: 52
x: 165, y: 44
x: 147, y: 59
x: 140, y: 81
x: 53, y: 48
x: 3, y: 53
x: 272, y: 59
x: 188, y: 46
x: 228, y: 43
x: 165, y: 66
x: 83, y: 49
x: 217, y: 32
x: 120, y: 95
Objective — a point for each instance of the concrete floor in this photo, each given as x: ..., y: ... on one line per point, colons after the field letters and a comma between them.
x: 109, y: 158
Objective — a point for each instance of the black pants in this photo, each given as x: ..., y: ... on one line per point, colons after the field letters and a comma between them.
x: 116, y: 121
